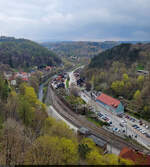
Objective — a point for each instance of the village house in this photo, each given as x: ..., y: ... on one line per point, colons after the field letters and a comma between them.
x: 48, y: 68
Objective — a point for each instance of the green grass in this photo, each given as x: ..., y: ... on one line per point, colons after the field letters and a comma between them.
x: 140, y: 67
x: 67, y: 83
x: 45, y: 92
x: 96, y: 122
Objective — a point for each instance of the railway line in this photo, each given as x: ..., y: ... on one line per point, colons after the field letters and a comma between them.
x: 81, y: 121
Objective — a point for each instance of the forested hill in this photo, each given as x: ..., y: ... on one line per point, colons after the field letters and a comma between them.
x: 126, y: 53
x: 25, y: 53
x: 78, y: 48
x: 116, y: 72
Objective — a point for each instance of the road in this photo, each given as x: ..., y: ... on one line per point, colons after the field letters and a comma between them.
x: 72, y: 78
x: 40, y: 95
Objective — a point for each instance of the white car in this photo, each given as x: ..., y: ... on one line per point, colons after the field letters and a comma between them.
x: 123, y: 121
x: 146, y: 127
x: 143, y: 132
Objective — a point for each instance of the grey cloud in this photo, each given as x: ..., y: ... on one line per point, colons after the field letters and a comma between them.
x: 76, y: 20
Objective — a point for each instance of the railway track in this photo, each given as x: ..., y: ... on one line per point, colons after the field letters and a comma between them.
x: 81, y: 121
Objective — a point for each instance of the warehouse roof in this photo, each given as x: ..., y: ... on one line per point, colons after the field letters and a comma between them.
x: 108, y: 100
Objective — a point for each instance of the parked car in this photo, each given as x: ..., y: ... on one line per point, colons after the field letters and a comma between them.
x: 147, y: 135
x: 116, y: 129
x: 121, y: 125
x: 99, y: 114
x: 123, y: 121
x: 146, y: 127
x: 123, y: 131
x: 103, y: 117
x: 127, y: 117
x: 133, y: 120
x: 140, y: 122
x: 137, y: 127
x: 143, y: 132
x: 107, y: 119
x: 110, y: 122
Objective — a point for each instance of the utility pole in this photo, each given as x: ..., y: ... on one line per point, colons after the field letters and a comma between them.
x: 110, y: 142
x: 126, y: 130
x: 76, y: 108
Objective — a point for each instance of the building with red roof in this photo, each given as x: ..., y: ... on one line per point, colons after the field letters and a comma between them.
x: 25, y: 79
x: 137, y: 157
x: 110, y: 103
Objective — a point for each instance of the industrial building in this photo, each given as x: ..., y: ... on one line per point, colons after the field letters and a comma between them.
x: 110, y: 103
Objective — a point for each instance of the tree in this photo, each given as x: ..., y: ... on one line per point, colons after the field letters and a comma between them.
x: 74, y: 91
x: 53, y: 127
x: 118, y: 87
x: 94, y: 158
x: 112, y: 159
x: 34, y: 82
x: 12, y: 142
x: 125, y: 77
x: 140, y: 81
x: 88, y: 86
x: 4, y: 89
x: 138, y: 99
x: 26, y: 111
x: 83, y: 150
x: 137, y: 95
x: 12, y: 104
x: 30, y: 95
x: 48, y: 150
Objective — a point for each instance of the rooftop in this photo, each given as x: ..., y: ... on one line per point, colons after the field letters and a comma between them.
x: 100, y: 142
x: 108, y: 100
x: 84, y: 130
x: 135, y: 156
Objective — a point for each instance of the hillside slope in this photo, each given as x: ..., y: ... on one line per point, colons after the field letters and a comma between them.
x: 126, y: 53
x: 79, y: 48
x: 115, y: 72
x: 25, y: 53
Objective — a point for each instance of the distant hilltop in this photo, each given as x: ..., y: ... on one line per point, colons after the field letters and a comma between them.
x: 83, y: 48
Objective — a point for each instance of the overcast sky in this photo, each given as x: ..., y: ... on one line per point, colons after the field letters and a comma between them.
x: 59, y: 20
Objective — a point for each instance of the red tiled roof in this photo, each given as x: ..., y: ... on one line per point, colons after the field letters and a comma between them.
x: 23, y: 73
x: 25, y: 79
x: 108, y: 100
x: 137, y: 157
x: 48, y: 67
